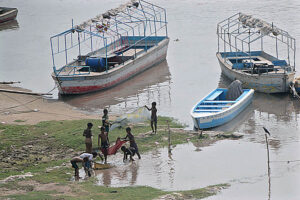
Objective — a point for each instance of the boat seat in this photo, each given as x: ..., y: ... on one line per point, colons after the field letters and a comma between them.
x: 279, y: 62
x: 210, y: 102
x: 213, y: 106
x: 214, y: 96
x: 207, y: 110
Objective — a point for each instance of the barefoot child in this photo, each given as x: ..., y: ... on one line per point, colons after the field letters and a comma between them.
x: 88, y: 138
x: 85, y: 159
x: 103, y: 136
x: 105, y: 120
x: 132, y: 141
x: 74, y: 161
x: 130, y: 151
x: 153, y: 116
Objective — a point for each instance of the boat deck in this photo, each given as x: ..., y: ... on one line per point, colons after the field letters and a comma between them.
x: 75, y: 67
x: 258, y: 63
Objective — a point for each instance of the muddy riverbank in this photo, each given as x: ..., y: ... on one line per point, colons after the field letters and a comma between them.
x: 31, y: 109
x: 40, y: 154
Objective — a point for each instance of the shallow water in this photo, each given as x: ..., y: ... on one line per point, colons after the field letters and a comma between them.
x: 190, y: 72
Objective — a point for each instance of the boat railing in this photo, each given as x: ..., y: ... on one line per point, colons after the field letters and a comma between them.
x: 242, y: 33
x: 144, y: 41
x: 73, y: 70
x: 106, y: 32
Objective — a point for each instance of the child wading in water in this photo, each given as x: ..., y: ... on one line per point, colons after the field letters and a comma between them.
x: 129, y: 137
x: 153, y: 116
x: 103, y: 136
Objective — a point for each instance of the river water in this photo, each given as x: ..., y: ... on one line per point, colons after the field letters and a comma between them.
x: 190, y: 72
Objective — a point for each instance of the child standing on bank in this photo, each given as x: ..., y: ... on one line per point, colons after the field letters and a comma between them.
x: 105, y: 120
x: 153, y: 116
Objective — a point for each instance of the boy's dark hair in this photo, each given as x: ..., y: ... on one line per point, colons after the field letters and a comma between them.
x: 128, y: 129
x: 123, y: 148
x: 105, y: 111
x: 89, y: 124
x: 94, y: 154
x: 154, y: 103
x: 102, y: 128
x: 85, y: 159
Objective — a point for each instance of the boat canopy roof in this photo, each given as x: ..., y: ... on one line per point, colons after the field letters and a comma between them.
x: 110, y: 31
x: 104, y: 18
x: 241, y: 24
x: 243, y: 33
x: 122, y: 20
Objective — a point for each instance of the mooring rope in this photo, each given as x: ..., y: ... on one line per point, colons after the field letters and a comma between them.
x: 24, y: 104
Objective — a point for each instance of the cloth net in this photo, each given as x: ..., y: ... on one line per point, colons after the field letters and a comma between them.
x: 235, y: 89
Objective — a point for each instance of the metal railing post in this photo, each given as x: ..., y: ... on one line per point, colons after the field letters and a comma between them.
x: 106, y: 63
x: 66, y: 49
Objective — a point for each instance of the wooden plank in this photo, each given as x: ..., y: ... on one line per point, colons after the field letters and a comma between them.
x: 213, y: 106
x: 214, y: 95
x: 23, y: 92
x: 207, y: 110
x: 211, y: 102
x: 10, y: 82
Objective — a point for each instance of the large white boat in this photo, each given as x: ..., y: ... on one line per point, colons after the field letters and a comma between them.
x: 110, y: 48
x: 257, y: 53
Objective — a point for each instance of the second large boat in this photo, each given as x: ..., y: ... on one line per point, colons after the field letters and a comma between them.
x: 110, y: 48
x: 257, y: 53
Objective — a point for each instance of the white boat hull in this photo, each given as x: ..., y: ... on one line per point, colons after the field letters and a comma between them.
x: 266, y: 83
x: 88, y: 83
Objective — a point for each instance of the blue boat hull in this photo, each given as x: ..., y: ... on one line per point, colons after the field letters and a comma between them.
x: 216, y: 119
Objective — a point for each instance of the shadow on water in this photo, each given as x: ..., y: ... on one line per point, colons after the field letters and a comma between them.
x: 133, y: 91
x: 9, y: 25
x: 269, y: 110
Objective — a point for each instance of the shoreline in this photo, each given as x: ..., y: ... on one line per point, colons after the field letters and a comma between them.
x: 37, y: 145
x: 30, y: 109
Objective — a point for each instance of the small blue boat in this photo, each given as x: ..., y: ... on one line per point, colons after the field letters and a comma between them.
x: 216, y: 108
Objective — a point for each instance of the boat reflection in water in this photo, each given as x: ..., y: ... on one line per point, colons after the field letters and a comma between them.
x: 9, y: 25
x: 152, y: 84
x: 279, y: 113
x: 245, y: 115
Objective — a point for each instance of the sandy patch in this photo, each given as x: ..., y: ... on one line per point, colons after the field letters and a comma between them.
x: 30, y: 109
x: 12, y: 178
x: 5, y: 192
x: 59, y: 189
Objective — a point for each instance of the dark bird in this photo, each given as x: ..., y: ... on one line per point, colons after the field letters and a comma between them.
x: 266, y: 130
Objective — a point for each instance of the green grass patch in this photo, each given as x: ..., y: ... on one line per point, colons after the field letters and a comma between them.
x: 42, y: 140
x: 34, y: 144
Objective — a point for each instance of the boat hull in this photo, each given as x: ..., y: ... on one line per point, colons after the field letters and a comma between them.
x: 9, y: 14
x: 86, y: 83
x: 266, y: 83
x: 216, y: 119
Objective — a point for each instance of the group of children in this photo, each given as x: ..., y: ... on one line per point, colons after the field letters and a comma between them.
x: 103, y: 142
